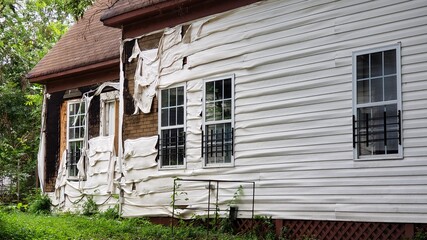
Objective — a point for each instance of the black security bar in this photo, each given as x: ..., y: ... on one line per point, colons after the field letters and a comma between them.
x: 369, y: 126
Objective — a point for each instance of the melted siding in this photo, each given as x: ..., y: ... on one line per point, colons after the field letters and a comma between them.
x: 293, y: 110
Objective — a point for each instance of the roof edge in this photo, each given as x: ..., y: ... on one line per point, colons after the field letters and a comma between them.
x: 116, y: 20
x: 43, y: 78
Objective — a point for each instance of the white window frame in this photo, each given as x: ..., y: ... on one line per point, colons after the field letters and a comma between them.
x: 206, y: 123
x: 398, y: 101
x: 69, y: 103
x: 184, y: 126
x: 106, y: 99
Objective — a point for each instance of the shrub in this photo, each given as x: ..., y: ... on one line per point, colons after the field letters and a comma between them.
x: 111, y: 213
x: 89, y: 207
x: 40, y: 204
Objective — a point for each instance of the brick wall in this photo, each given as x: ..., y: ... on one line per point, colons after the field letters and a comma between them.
x: 139, y: 125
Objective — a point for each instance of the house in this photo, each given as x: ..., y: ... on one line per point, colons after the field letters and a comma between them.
x: 320, y: 104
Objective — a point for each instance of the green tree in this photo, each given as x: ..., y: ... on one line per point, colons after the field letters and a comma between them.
x: 28, y: 29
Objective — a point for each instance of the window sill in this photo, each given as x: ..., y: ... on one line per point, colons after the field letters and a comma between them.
x: 168, y: 168
x: 219, y: 165
x: 379, y: 158
x: 75, y: 179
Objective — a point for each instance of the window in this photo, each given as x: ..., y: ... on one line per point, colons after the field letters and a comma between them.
x: 109, y: 114
x: 217, y: 137
x: 172, y: 128
x: 108, y: 118
x: 76, y: 126
x: 376, y: 103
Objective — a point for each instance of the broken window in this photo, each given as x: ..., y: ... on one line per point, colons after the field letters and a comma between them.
x: 172, y: 127
x: 217, y: 137
x: 76, y: 127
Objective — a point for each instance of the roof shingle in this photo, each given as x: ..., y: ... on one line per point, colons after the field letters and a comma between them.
x: 86, y: 42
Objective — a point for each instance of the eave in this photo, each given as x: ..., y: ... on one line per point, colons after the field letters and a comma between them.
x: 167, y: 14
x: 81, y: 76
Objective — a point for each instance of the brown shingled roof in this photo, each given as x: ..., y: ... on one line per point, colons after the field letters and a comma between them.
x: 87, y: 42
x: 126, y: 11
x: 124, y: 6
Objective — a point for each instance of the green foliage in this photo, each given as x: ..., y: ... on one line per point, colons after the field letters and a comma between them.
x: 89, y: 207
x: 19, y: 130
x: 420, y: 235
x: 22, y: 207
x: 26, y: 34
x: 29, y: 226
x: 28, y: 31
x: 40, y: 204
x: 111, y: 213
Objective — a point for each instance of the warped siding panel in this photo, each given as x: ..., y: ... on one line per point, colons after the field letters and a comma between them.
x: 275, y: 174
x: 309, y: 128
x: 313, y: 131
x: 306, y: 158
x: 299, y: 141
x: 292, y: 108
x: 331, y: 182
x: 292, y: 62
x: 415, y: 95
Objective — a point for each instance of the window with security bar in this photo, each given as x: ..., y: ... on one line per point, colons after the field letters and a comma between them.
x: 76, y: 126
x: 377, y: 103
x: 217, y: 136
x: 172, y: 128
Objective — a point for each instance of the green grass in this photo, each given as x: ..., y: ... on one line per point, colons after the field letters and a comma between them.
x: 16, y: 225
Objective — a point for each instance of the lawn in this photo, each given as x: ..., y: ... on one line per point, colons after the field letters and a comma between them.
x: 17, y: 225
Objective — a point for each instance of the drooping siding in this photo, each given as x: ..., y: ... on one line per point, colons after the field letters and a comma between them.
x: 292, y: 62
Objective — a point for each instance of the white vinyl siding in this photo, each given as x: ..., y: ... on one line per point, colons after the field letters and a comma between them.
x: 292, y: 62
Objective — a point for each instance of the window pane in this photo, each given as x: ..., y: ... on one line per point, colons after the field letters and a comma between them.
x: 391, y: 111
x: 218, y: 110
x: 209, y: 91
x: 376, y: 64
x: 210, y: 108
x: 172, y: 116
x: 377, y: 90
x: 180, y: 116
x: 172, y: 97
x: 181, y: 136
x: 363, y: 91
x: 218, y: 90
x: 227, y: 88
x: 173, y: 137
x: 390, y: 62
x: 71, y: 110
x: 180, y: 156
x: 390, y: 88
x: 363, y: 66
x: 393, y: 144
x: 165, y: 98
x: 219, y: 144
x: 82, y: 132
x: 227, y: 109
x: 180, y: 96
x: 165, y: 117
x: 71, y: 133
